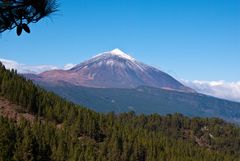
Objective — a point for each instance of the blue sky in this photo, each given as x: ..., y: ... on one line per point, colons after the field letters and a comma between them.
x: 189, y: 39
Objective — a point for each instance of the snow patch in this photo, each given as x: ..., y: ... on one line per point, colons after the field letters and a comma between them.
x: 110, y: 62
x: 121, y: 54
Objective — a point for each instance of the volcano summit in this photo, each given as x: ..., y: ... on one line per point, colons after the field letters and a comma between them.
x: 113, y: 69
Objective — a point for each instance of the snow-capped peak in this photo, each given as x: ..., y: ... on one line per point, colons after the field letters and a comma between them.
x: 116, y: 52
x: 120, y: 53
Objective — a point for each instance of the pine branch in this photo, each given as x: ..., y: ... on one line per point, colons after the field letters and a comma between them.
x: 19, y: 13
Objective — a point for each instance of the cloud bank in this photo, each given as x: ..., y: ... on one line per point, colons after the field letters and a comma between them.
x: 34, y: 69
x: 221, y: 89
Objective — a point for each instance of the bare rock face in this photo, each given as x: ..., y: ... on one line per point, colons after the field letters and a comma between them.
x: 113, y: 69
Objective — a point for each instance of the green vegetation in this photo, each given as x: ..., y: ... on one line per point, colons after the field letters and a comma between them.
x: 67, y: 132
x: 149, y: 100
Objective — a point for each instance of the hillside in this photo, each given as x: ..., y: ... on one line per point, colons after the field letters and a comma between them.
x: 73, y: 133
x: 13, y: 111
x: 147, y: 100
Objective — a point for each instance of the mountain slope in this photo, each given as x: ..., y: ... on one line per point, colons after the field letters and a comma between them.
x: 71, y: 132
x: 113, y: 69
x: 148, y: 100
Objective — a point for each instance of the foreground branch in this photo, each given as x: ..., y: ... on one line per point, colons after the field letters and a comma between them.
x: 19, y: 13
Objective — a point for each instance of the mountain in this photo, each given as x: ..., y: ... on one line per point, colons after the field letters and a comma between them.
x: 113, y: 69
x: 114, y: 81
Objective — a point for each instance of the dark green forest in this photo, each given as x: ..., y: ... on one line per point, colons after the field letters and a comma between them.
x: 63, y: 131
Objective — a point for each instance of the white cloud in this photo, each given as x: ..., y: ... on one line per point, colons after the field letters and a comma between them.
x: 34, y: 69
x: 221, y: 89
x: 68, y: 66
